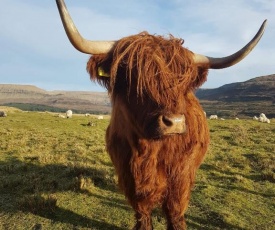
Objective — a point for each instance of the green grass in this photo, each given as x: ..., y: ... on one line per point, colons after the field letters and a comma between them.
x: 56, y: 174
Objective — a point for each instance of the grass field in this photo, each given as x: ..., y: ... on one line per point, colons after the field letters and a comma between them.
x: 56, y: 174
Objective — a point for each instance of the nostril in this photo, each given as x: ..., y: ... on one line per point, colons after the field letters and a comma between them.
x: 167, y: 121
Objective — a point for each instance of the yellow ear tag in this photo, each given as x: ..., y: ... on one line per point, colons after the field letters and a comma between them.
x: 102, y: 73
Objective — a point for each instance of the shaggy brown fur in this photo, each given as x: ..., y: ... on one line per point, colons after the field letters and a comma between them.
x: 151, y: 76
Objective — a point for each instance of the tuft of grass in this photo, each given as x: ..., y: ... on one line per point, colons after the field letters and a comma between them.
x: 239, y: 135
x: 38, y: 204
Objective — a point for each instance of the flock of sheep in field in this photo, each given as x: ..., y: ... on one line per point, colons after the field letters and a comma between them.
x: 262, y: 118
x: 69, y: 114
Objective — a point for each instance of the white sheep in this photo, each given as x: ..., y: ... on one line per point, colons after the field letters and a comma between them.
x: 69, y: 114
x: 262, y: 118
x: 61, y: 116
x: 3, y: 114
x: 213, y: 117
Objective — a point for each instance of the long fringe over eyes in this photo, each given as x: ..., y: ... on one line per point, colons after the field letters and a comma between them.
x: 158, y: 65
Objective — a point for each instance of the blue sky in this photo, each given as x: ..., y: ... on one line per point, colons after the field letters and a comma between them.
x: 34, y: 49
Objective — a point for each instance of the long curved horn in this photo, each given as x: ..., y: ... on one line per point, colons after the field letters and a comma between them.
x: 81, y: 44
x: 224, y: 62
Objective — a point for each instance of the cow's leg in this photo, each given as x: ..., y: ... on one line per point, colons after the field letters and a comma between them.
x: 176, y: 224
x: 143, y: 209
x: 175, y: 218
x: 176, y: 203
x: 143, y: 221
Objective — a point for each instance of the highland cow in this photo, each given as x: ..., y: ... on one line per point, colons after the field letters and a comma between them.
x: 158, y: 134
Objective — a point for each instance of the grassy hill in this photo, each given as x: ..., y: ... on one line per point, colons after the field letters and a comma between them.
x: 256, y: 89
x: 242, y: 99
x: 31, y: 98
x: 55, y: 174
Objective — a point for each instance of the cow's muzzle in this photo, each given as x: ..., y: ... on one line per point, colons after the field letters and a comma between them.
x: 171, y: 124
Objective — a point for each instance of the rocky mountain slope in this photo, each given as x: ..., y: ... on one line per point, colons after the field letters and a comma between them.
x: 82, y: 101
x: 256, y: 89
x: 241, y: 99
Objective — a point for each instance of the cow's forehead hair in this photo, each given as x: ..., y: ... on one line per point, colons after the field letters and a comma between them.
x: 154, y: 63
x: 147, y: 63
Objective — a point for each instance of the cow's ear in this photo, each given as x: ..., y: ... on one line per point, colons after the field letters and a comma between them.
x: 98, y: 67
x: 201, y: 77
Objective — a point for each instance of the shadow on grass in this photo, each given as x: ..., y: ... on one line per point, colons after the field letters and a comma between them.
x: 213, y: 222
x: 223, y: 175
x: 113, y: 202
x: 69, y: 217
x: 23, y: 185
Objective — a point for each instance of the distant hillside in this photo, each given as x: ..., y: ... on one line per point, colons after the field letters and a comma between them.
x: 256, y: 89
x: 33, y: 98
x: 241, y: 99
